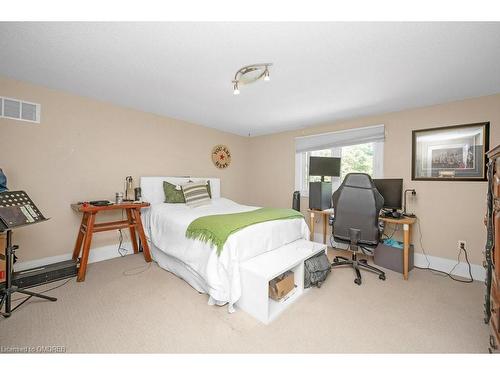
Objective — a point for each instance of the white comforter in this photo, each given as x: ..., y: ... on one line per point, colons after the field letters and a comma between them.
x: 168, y: 224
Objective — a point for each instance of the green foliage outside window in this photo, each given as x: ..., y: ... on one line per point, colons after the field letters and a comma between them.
x: 357, y: 158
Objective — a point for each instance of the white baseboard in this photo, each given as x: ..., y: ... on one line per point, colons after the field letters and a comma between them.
x: 438, y: 263
x: 111, y: 251
x: 445, y: 265
x: 96, y: 255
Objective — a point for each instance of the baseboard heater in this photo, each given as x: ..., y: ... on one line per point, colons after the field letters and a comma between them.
x: 44, y: 274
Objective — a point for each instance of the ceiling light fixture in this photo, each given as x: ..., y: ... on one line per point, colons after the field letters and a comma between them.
x: 250, y: 74
x: 236, y: 89
x: 266, y: 75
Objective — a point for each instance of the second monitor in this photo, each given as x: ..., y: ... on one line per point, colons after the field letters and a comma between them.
x: 392, y: 191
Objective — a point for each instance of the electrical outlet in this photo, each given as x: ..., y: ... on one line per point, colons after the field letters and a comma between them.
x: 462, y: 244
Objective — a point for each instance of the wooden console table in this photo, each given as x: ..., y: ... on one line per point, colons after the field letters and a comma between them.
x: 88, y: 227
x: 407, y: 222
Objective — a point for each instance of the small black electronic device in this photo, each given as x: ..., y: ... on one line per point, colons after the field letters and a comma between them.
x: 44, y: 274
x: 392, y: 214
x: 101, y: 203
x: 137, y: 194
x: 392, y: 191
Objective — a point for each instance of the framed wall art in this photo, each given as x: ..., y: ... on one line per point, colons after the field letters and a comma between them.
x: 450, y: 153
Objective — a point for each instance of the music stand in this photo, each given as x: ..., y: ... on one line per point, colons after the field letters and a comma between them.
x: 16, y: 210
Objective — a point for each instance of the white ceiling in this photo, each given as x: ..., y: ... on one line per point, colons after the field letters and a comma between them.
x: 322, y: 71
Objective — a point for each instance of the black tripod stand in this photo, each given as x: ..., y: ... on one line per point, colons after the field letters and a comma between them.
x: 6, y: 294
x: 16, y: 210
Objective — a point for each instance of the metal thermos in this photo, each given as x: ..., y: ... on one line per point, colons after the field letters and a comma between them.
x: 119, y: 198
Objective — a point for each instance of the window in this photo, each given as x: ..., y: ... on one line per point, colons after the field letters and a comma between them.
x: 364, y: 157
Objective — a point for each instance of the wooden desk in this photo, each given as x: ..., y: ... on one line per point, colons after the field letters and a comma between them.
x: 88, y: 227
x: 324, y: 214
x: 407, y: 223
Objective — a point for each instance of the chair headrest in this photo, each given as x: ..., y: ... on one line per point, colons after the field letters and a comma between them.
x: 361, y: 180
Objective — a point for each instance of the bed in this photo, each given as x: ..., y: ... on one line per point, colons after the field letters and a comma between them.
x: 197, y: 262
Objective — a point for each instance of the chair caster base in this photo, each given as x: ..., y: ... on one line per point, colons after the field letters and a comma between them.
x: 357, y: 281
x: 381, y: 277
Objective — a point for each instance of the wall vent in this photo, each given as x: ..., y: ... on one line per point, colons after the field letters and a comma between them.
x: 19, y: 110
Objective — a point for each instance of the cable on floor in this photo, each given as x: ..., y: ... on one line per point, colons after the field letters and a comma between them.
x: 141, y: 269
x: 443, y: 273
x: 121, y: 250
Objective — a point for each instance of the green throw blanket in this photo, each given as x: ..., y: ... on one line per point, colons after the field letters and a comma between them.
x: 217, y: 228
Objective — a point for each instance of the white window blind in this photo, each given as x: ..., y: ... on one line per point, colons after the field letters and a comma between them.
x: 341, y: 138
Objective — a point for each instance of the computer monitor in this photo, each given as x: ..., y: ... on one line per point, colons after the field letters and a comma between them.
x: 392, y: 191
x: 324, y: 166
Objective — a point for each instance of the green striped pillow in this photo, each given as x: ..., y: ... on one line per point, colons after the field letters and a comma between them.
x: 196, y: 194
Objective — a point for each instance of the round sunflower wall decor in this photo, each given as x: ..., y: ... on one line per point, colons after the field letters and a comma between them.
x: 221, y: 156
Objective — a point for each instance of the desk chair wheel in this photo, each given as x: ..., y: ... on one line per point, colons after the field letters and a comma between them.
x: 381, y: 277
x: 357, y: 281
x: 335, y: 260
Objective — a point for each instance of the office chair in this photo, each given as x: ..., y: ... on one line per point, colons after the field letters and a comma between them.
x: 357, y: 204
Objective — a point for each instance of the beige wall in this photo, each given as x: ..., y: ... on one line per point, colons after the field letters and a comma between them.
x: 448, y: 211
x: 83, y: 149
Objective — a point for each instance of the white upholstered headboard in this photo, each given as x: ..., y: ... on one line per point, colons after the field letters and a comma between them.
x: 152, y: 187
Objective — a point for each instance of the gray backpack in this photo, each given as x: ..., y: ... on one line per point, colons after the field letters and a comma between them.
x: 316, y: 270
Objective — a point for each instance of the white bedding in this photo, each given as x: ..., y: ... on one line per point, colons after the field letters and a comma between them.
x: 167, y: 227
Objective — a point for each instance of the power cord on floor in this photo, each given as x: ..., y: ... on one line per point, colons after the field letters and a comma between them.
x: 141, y: 269
x: 121, y: 250
x: 443, y: 273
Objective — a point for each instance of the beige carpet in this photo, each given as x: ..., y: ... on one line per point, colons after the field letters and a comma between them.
x: 154, y: 311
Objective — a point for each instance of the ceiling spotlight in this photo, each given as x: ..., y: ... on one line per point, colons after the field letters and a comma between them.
x: 236, y: 89
x: 249, y: 74
x: 266, y: 75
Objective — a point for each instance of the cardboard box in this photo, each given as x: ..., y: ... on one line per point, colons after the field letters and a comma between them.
x: 282, y: 285
x: 2, y: 257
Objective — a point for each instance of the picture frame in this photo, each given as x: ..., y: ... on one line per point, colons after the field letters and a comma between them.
x: 450, y: 153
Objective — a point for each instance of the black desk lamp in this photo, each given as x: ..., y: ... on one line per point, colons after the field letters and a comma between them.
x: 413, y: 192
